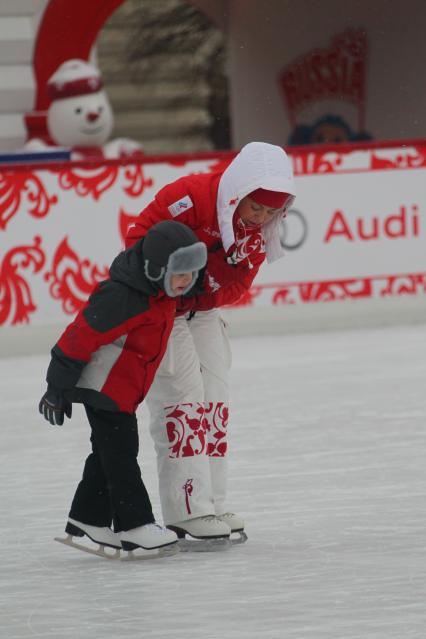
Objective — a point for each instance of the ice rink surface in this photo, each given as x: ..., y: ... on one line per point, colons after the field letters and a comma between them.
x: 327, y: 466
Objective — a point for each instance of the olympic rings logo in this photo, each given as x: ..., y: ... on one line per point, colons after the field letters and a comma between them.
x: 293, y: 230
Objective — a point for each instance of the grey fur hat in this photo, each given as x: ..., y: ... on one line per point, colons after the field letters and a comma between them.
x: 170, y: 248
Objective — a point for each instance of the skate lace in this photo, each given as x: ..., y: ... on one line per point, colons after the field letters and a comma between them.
x: 211, y: 519
x: 157, y: 529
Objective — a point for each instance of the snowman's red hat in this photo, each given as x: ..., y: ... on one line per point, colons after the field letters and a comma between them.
x: 74, y: 77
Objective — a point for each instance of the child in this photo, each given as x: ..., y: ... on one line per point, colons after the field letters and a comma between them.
x: 106, y: 359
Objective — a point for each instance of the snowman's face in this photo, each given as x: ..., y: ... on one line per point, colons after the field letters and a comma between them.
x: 84, y: 120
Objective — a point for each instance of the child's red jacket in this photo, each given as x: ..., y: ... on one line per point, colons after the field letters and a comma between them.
x: 107, y: 357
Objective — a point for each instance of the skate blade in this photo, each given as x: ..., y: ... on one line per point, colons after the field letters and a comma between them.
x: 205, y: 545
x: 241, y: 539
x: 142, y: 554
x: 99, y: 552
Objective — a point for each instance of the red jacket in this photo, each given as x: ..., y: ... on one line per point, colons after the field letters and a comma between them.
x: 192, y: 200
x: 107, y: 357
x: 207, y: 203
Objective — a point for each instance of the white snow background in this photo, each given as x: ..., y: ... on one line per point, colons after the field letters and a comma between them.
x: 327, y: 466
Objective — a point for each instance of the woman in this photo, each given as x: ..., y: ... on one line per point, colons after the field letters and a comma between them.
x: 237, y: 213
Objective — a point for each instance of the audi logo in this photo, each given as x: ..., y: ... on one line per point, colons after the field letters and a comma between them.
x: 293, y: 230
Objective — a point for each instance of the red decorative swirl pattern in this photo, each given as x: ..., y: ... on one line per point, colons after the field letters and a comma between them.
x: 71, y: 278
x: 16, y: 301
x: 137, y: 183
x: 18, y: 186
x: 186, y: 430
x: 216, y: 415
x: 338, y: 290
x: 93, y: 182
x: 358, y: 161
x: 195, y: 429
x: 247, y: 298
x: 395, y: 285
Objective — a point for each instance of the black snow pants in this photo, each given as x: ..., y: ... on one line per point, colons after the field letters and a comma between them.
x: 111, y: 489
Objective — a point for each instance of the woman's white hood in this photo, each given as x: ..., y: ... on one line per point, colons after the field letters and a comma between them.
x: 257, y: 166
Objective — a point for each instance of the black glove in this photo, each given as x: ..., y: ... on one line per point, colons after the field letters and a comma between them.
x: 54, y: 406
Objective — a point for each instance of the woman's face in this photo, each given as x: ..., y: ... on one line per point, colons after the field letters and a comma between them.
x: 253, y: 214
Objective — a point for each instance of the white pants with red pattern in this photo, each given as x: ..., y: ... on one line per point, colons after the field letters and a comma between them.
x: 188, y: 404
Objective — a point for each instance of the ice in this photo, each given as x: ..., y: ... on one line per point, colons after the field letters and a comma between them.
x: 327, y: 466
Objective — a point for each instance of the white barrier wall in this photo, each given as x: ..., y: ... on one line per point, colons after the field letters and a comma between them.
x: 356, y: 234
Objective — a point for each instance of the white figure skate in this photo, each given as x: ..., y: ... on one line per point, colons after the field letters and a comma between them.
x: 149, y: 542
x: 236, y: 524
x: 202, y: 534
x: 103, y: 536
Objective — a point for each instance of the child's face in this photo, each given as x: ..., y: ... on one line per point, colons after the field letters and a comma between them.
x: 179, y: 282
x: 253, y: 214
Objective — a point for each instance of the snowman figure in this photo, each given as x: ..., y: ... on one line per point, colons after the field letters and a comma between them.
x: 80, y: 115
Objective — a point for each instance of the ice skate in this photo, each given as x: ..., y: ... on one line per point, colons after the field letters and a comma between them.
x: 103, y: 536
x: 149, y: 542
x: 236, y: 524
x: 202, y: 534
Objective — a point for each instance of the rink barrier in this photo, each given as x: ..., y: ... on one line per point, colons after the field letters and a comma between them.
x: 256, y: 322
x: 354, y: 240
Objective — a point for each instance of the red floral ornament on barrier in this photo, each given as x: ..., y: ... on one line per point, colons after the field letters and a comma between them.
x: 134, y: 173
x: 331, y: 291
x: 282, y: 295
x: 16, y: 301
x: 85, y: 181
x: 356, y: 161
x: 218, y: 165
x: 339, y: 290
x: 319, y: 162
x: 72, y: 279
x: 411, y: 284
x: 408, y: 158
x: 247, y: 298
x: 96, y: 181
x: 124, y: 221
x: 15, y: 186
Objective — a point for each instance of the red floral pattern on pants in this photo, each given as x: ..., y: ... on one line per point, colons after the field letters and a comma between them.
x: 195, y: 429
x: 216, y: 414
x: 186, y: 430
